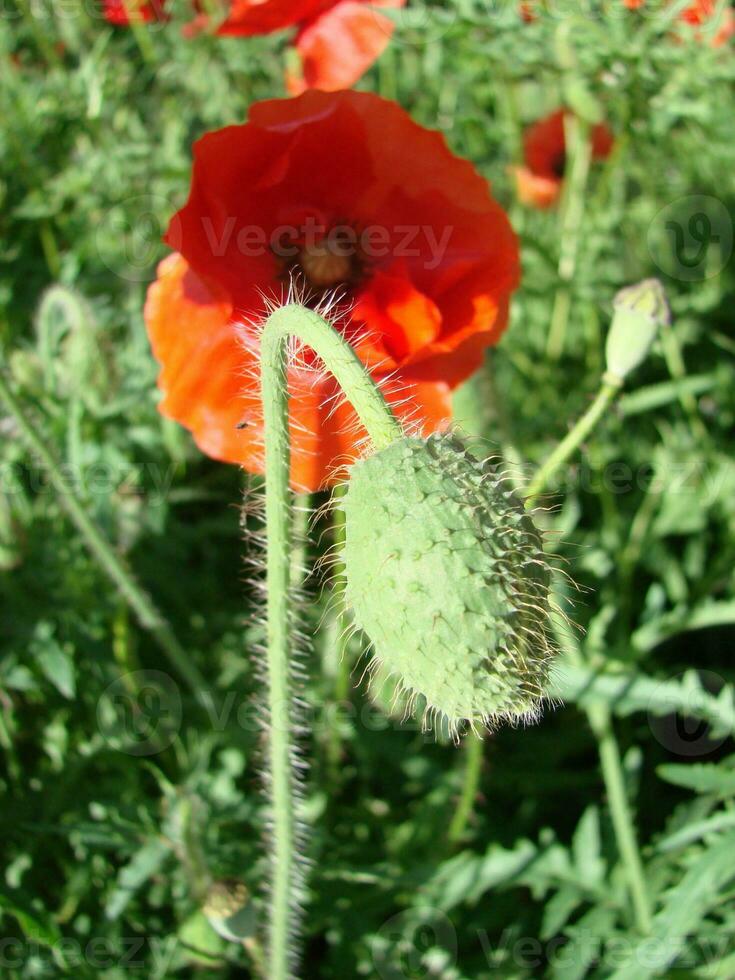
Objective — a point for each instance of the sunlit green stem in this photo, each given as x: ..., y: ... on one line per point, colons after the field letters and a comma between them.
x: 473, y: 750
x: 110, y: 562
x: 677, y: 370
x: 383, y: 428
x: 611, y: 767
x: 575, y: 437
x: 579, y: 154
x: 622, y: 818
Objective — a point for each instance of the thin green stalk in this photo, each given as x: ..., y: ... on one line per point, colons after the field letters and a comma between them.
x: 140, y: 32
x: 474, y: 746
x: 383, y: 428
x: 41, y: 36
x: 573, y: 440
x: 611, y: 767
x: 50, y: 249
x: 111, y: 563
x: 677, y: 370
x: 622, y: 818
x: 577, y: 137
x: 342, y: 678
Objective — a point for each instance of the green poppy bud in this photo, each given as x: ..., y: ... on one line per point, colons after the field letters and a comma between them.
x: 446, y: 575
x: 639, y: 312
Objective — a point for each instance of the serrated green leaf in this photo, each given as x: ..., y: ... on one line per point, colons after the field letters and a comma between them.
x: 626, y: 691
x: 586, y: 848
x: 684, y: 909
x: 704, y: 777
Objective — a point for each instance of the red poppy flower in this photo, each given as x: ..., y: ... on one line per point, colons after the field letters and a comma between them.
x: 337, y: 40
x: 539, y: 182
x: 703, y: 11
x: 698, y: 14
x: 119, y: 12
x: 246, y: 18
x: 343, y: 192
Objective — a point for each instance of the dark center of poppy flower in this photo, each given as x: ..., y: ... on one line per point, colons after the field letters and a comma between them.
x: 324, y: 262
x: 325, y: 265
x: 559, y: 164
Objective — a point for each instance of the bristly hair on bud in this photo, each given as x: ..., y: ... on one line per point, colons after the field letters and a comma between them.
x: 445, y: 573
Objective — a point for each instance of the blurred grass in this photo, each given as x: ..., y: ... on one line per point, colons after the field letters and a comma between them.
x: 121, y: 796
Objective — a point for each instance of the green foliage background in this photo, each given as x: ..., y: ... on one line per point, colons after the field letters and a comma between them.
x: 107, y: 847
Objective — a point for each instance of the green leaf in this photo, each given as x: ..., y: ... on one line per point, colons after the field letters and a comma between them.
x: 626, y: 691
x: 695, y: 831
x: 715, y: 778
x: 662, y: 628
x: 134, y: 875
x: 559, y: 909
x: 586, y: 848
x: 685, y: 908
x: 53, y: 660
x: 37, y: 926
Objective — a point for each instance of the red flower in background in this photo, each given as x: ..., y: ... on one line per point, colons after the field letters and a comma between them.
x: 339, y: 46
x: 539, y: 182
x: 698, y: 14
x: 337, y: 40
x: 702, y: 11
x: 342, y: 191
x: 119, y: 12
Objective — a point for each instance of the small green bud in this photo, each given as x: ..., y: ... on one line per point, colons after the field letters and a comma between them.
x: 639, y: 312
x: 228, y: 910
x: 446, y: 575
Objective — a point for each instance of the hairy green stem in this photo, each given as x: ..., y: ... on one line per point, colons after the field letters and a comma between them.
x: 111, y: 563
x: 341, y: 361
x: 577, y: 137
x: 575, y: 437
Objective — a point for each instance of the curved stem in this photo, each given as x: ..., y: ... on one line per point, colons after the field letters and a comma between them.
x: 109, y: 561
x: 383, y: 428
x: 575, y: 437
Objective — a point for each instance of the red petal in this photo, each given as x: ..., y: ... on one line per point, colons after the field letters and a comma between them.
x: 210, y: 385
x: 338, y: 47
x: 406, y: 319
